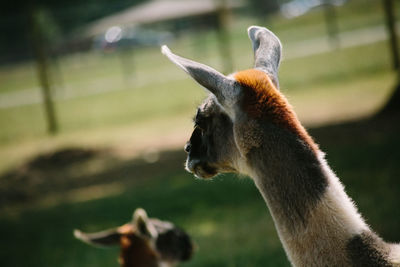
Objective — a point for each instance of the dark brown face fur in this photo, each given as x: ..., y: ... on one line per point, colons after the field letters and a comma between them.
x: 211, y: 148
x: 174, y: 244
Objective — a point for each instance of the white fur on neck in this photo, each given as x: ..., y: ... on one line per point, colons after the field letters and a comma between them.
x: 340, y: 203
x: 330, y: 224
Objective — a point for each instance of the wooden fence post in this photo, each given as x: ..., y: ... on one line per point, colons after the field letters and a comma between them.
x: 42, y: 67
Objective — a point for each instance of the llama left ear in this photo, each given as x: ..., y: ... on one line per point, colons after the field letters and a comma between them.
x: 143, y: 224
x: 224, y: 88
x: 267, y: 51
x: 105, y: 238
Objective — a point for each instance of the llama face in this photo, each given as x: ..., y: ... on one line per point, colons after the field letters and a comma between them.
x: 211, y: 148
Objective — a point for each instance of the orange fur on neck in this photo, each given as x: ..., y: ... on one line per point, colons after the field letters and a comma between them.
x: 263, y: 101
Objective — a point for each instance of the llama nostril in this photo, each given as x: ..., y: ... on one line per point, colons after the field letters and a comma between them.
x: 188, y: 147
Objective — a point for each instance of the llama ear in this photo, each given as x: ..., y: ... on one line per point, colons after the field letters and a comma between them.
x: 143, y: 224
x: 224, y: 88
x: 105, y: 238
x: 267, y: 51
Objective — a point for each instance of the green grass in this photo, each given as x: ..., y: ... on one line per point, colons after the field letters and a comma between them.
x: 17, y: 77
x: 343, y: 77
x: 226, y: 216
x: 152, y: 88
x: 216, y: 213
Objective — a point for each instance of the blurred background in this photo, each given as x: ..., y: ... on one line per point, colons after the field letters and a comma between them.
x: 93, y: 119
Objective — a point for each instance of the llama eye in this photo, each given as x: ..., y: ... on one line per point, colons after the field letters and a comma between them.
x: 200, y: 123
x: 197, y: 126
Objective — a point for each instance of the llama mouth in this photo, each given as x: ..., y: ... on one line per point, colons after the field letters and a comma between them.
x: 200, y: 169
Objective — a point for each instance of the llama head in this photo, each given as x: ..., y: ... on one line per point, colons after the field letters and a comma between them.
x: 144, y: 241
x: 227, y: 124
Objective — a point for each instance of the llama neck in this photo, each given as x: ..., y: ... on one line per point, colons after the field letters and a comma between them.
x: 312, y: 213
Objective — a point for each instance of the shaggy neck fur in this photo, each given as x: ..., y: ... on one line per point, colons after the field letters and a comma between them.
x: 317, y: 222
x: 314, y: 217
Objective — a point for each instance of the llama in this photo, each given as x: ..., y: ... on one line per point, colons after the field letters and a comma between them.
x: 247, y: 126
x: 144, y: 242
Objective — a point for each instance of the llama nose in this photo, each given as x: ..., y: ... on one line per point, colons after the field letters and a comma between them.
x: 188, y: 147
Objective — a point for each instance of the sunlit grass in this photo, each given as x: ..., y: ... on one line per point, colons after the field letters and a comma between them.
x: 322, y: 82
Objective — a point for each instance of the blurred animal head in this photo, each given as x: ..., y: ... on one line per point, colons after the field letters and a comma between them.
x: 241, y: 108
x: 144, y: 242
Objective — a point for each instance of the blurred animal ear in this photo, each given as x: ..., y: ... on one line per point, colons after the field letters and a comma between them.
x: 224, y: 88
x: 105, y: 238
x: 267, y: 51
x: 143, y: 224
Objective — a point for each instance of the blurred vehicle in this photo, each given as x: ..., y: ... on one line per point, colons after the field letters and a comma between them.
x: 117, y: 37
x: 297, y: 8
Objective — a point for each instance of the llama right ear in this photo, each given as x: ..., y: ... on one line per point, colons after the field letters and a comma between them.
x: 224, y: 88
x: 267, y: 51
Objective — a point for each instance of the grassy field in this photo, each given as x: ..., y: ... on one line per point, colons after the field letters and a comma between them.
x: 98, y: 99
x: 119, y: 137
x: 344, y: 76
